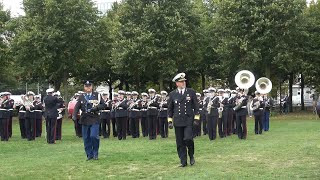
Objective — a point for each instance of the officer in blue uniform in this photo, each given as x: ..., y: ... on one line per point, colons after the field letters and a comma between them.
x: 113, y: 114
x: 38, y: 108
x: 90, y: 104
x: 257, y: 105
x: 183, y: 109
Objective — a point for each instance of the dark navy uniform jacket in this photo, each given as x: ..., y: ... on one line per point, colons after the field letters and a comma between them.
x: 106, y: 112
x: 38, y: 109
x: 144, y: 109
x: 22, y: 112
x: 243, y: 110
x: 214, y: 106
x: 163, y: 109
x: 4, y: 109
x: 121, y: 109
x: 183, y: 107
x: 89, y: 115
x: 153, y: 107
x: 51, y: 104
x: 259, y: 111
x: 135, y: 110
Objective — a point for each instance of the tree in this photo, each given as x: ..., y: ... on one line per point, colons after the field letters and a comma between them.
x: 7, y: 80
x: 55, y: 39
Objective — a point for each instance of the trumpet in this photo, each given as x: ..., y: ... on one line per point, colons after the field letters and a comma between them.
x: 152, y: 101
x: 134, y: 104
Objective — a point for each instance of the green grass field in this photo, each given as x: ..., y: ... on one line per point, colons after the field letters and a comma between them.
x: 290, y: 150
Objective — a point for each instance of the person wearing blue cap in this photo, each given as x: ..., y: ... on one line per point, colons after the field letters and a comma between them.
x: 90, y: 103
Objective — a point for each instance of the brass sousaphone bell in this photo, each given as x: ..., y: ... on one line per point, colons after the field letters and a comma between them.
x: 263, y: 85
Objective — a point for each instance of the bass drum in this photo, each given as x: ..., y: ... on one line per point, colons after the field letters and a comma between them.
x: 71, y: 106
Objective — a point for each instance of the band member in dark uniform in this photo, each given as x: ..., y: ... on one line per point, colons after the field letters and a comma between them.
x: 50, y: 114
x: 183, y: 109
x: 61, y: 110
x: 11, y: 103
x: 129, y: 100
x: 121, y: 114
x: 38, y: 108
x: 268, y: 103
x: 4, y: 116
x: 241, y: 114
x: 105, y: 116
x: 197, y: 126
x: 163, y: 115
x: 22, y: 125
x: 223, y: 114
x: 234, y: 95
x: 203, y: 113
x: 30, y: 120
x: 257, y: 108
x: 211, y: 105
x: 134, y: 115
x: 113, y: 115
x: 144, y: 116
x: 90, y: 104
x: 230, y: 103
x: 152, y: 114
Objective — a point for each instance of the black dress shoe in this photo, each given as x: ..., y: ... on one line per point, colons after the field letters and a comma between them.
x: 183, y: 165
x: 89, y: 158
x: 95, y: 158
x: 192, y: 161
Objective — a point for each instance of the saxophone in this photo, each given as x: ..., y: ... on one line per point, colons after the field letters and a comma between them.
x: 209, y: 106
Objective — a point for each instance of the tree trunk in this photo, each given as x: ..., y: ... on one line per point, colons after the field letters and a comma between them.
x: 290, y: 92
x: 127, y: 85
x: 280, y: 89
x: 203, y: 81
x: 110, y: 89
x: 302, y: 92
x: 65, y: 88
x: 268, y: 71
x: 161, y: 83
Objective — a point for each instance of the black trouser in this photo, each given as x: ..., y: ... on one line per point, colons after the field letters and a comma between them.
x: 114, y: 127
x: 4, y: 123
x: 59, y: 129
x: 51, y: 130
x: 258, y: 124
x: 234, y: 123
x: 105, y: 127
x: 158, y: 126
x: 212, y: 127
x: 184, y: 142
x: 152, y: 126
x: 128, y: 127
x: 163, y: 127
x: 204, y: 123
x: 30, y: 128
x: 22, y: 128
x: 222, y: 125
x: 78, y: 128
x: 197, y: 129
x: 10, y: 127
x: 134, y: 127
x: 38, y: 127
x: 242, y: 126
x: 144, y: 126
x: 122, y: 123
x: 229, y: 122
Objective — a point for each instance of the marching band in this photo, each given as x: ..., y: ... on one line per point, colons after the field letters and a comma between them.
x: 222, y: 111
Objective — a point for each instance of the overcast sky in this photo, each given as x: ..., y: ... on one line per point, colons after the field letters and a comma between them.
x: 15, y: 5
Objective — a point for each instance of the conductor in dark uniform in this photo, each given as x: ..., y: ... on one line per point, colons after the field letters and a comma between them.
x: 90, y: 104
x: 51, y: 113
x: 183, y: 109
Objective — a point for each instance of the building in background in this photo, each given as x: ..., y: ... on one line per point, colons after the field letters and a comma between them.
x: 105, y: 5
